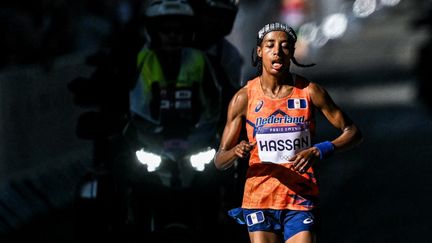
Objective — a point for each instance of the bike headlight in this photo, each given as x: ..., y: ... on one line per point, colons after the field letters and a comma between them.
x: 199, y: 160
x: 151, y: 160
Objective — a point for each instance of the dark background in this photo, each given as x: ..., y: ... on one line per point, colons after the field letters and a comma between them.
x: 378, y: 192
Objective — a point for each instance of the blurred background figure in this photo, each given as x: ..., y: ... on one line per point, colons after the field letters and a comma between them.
x: 177, y: 42
x: 295, y: 13
x: 176, y: 111
x: 169, y: 28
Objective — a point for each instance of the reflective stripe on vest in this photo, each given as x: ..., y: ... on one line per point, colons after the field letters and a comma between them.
x: 191, y: 70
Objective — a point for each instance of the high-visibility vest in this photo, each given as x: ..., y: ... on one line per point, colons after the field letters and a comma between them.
x: 191, y: 74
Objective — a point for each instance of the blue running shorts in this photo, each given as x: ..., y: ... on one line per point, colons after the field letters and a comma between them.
x: 286, y: 222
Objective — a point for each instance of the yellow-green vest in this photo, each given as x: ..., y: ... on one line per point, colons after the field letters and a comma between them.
x: 191, y: 71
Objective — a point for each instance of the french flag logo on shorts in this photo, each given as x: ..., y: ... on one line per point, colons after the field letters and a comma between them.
x: 255, y: 218
x: 297, y: 104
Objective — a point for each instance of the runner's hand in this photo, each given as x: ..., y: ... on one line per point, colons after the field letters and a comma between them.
x: 304, y: 159
x: 242, y: 150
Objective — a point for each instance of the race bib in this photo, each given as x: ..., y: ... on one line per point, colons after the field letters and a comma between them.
x: 279, y: 144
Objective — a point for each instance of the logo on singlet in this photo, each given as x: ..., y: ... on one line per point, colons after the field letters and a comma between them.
x: 259, y: 105
x: 273, y: 119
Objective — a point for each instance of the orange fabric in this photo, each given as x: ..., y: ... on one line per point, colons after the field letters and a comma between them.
x: 275, y: 185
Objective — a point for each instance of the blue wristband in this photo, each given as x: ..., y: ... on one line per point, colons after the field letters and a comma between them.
x: 325, y: 148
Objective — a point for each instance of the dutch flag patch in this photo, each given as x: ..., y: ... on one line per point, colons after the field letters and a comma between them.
x: 255, y: 218
x: 297, y: 104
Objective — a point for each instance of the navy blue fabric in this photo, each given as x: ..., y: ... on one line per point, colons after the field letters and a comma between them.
x: 284, y: 222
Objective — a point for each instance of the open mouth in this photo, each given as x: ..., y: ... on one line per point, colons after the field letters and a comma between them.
x: 276, y: 64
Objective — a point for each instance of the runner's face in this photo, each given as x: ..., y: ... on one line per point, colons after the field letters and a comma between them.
x: 275, y: 54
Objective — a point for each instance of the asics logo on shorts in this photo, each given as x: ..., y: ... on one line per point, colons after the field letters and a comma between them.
x: 308, y: 220
x: 255, y: 218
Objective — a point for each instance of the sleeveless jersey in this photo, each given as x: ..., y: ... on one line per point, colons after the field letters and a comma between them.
x: 281, y: 127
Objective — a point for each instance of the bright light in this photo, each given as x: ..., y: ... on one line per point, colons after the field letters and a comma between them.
x: 199, y: 160
x: 364, y: 8
x: 151, y: 160
x: 308, y: 31
x: 320, y: 39
x: 390, y: 3
x: 334, y: 25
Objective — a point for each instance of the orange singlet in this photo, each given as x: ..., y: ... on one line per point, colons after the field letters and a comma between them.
x: 281, y: 128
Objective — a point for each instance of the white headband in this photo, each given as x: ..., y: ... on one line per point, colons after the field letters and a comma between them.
x: 276, y: 27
